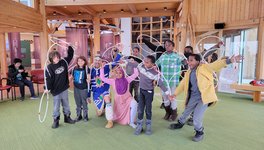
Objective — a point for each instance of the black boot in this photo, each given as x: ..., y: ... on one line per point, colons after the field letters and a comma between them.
x: 173, y: 115
x: 162, y: 105
x: 176, y: 126
x: 55, y: 122
x: 198, y: 136
x: 85, y: 116
x: 67, y: 119
x: 78, y: 118
x: 168, y: 112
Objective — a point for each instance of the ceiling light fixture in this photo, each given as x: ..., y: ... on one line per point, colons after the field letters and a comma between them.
x: 104, y: 11
x: 146, y: 9
x: 165, y: 8
x: 54, y: 13
x: 79, y: 13
x: 122, y: 10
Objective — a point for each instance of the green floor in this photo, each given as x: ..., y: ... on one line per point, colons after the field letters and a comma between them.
x: 235, y: 123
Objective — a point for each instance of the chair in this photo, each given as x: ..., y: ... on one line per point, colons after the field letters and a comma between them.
x: 5, y: 87
x: 12, y: 83
x: 37, y: 77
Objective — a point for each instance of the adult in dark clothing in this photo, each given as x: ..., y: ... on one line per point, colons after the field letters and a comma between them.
x: 187, y: 51
x: 18, y: 75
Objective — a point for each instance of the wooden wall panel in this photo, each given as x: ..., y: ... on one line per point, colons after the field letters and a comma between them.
x: 17, y: 15
x: 207, y: 12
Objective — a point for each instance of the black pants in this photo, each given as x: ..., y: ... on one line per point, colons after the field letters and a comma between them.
x: 145, y: 100
x: 22, y: 83
x: 134, y: 85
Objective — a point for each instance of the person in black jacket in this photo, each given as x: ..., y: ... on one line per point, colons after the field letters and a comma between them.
x: 58, y: 84
x: 18, y: 75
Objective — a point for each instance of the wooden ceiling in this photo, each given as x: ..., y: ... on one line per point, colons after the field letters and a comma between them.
x: 87, y: 12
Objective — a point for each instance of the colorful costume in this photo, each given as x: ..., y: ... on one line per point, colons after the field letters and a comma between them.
x: 125, y: 107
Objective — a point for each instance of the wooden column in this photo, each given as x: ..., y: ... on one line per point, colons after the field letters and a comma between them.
x: 175, y: 31
x: 184, y: 21
x: 96, y: 26
x: 36, y: 4
x: 260, y: 54
x: 3, y: 55
x: 43, y: 35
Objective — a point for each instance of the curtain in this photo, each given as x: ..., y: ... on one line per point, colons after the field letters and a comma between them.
x: 14, y: 45
x: 79, y: 38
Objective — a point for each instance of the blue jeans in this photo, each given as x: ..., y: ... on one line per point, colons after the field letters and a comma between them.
x: 145, y: 100
x: 22, y: 83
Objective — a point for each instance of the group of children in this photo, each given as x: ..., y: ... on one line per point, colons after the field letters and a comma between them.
x: 197, y: 85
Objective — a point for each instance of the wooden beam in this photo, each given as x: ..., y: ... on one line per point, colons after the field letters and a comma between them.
x: 104, y: 21
x: 71, y: 17
x: 58, y: 10
x: 179, y: 8
x: 3, y: 54
x: 100, y: 2
x: 96, y: 26
x: 184, y: 20
x: 36, y: 4
x: 175, y: 32
x: 206, y: 34
x: 132, y: 8
x: 43, y: 35
x: 88, y: 9
x: 12, y: 29
x: 143, y: 13
x: 17, y: 23
x: 260, y: 54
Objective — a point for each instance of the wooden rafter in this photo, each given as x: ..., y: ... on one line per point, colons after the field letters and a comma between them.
x: 132, y: 8
x: 88, y: 9
x: 104, y: 21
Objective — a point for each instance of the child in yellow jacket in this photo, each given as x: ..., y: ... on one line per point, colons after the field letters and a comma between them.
x: 199, y: 90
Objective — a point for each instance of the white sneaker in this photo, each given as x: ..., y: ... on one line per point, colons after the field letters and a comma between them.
x: 133, y: 125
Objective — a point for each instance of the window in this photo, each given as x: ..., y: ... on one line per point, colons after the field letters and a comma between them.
x: 244, y: 43
x: 160, y: 28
